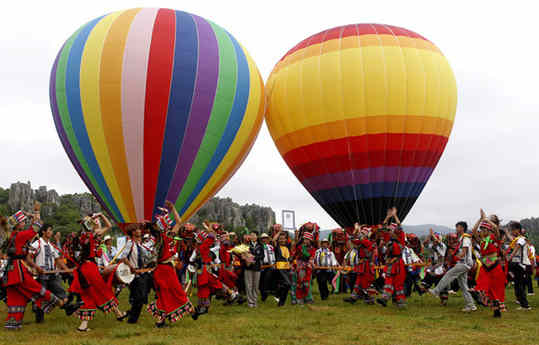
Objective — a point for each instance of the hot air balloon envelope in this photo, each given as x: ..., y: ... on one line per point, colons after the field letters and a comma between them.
x: 361, y: 114
x: 153, y: 105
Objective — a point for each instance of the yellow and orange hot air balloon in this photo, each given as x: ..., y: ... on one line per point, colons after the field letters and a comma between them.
x: 361, y: 114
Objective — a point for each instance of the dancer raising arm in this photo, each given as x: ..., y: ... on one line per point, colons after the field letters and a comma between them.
x: 87, y: 281
x: 172, y: 302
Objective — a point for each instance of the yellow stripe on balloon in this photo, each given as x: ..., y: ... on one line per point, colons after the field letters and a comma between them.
x: 251, y: 118
x: 91, y: 104
x: 111, y: 104
x: 420, y: 95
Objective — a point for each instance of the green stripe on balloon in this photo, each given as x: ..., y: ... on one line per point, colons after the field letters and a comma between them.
x: 64, y: 114
x: 220, y: 114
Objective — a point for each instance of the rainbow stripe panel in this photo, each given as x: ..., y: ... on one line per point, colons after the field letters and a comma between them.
x: 361, y: 114
x: 153, y: 105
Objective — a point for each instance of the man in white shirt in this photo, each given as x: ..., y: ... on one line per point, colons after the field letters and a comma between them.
x: 325, y: 258
x: 460, y: 270
x: 518, y: 260
x: 47, y: 258
x: 267, y: 268
x: 137, y: 255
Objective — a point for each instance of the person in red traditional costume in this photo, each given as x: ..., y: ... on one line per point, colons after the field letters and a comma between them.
x: 87, y: 281
x: 412, y: 255
x: 364, y: 267
x: 338, y: 242
x: 172, y: 302
x: 226, y: 272
x: 394, y: 271
x: 208, y: 282
x: 304, y: 255
x: 491, y: 278
x: 21, y: 287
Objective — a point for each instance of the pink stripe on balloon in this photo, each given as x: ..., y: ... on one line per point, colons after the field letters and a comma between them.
x: 135, y: 67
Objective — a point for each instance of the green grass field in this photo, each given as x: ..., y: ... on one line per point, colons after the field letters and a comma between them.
x: 329, y: 322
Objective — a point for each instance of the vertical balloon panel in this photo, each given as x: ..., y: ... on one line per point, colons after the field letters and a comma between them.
x: 361, y: 114
x: 153, y: 105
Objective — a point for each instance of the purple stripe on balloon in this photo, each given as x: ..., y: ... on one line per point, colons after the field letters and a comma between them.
x: 366, y: 176
x: 63, y: 136
x: 202, y: 104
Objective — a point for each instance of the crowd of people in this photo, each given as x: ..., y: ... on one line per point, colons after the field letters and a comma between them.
x: 374, y: 264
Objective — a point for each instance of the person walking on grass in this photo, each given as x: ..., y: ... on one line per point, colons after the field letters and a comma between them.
x: 518, y: 260
x: 324, y: 262
x: 460, y: 270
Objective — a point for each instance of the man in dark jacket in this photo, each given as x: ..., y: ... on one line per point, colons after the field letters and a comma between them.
x: 252, y: 269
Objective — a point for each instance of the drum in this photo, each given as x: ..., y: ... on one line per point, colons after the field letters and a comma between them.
x: 119, y: 273
x: 123, y: 274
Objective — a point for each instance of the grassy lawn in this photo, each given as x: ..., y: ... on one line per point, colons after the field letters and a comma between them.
x: 328, y: 322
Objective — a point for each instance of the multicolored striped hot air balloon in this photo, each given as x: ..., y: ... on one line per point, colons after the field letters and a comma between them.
x: 153, y: 105
x: 361, y: 114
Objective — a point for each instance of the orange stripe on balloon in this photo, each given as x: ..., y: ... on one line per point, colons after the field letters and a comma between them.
x: 393, y: 124
x: 111, y: 104
x: 351, y: 42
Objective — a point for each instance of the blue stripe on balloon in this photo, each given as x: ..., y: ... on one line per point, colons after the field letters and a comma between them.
x: 76, y: 114
x: 234, y: 122
x: 378, y: 190
x: 63, y: 136
x: 181, y: 94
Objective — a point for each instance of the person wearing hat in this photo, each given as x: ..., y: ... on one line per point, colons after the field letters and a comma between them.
x: 109, y: 251
x: 324, y: 261
x: 267, y: 268
x: 394, y: 270
x: 21, y: 287
x: 491, y: 278
x: 304, y: 255
x: 207, y: 281
x: 172, y: 303
x: 87, y: 280
x: 363, y: 267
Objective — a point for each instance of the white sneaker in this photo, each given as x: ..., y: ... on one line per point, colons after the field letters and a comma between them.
x: 434, y: 293
x: 469, y: 309
x: 531, y: 294
x: 522, y: 308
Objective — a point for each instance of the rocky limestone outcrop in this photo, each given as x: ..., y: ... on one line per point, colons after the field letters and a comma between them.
x: 86, y: 203
x: 23, y: 197
x: 229, y: 213
x: 222, y: 210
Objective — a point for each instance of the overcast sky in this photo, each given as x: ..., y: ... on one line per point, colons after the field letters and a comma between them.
x: 491, y: 160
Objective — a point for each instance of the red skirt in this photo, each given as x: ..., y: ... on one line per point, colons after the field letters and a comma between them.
x: 97, y: 295
x: 172, y: 302
x: 492, y: 283
x: 18, y: 296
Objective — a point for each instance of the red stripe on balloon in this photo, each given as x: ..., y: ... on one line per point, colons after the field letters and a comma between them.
x: 158, y: 81
x: 363, y: 160
x: 351, y: 30
x: 367, y: 151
